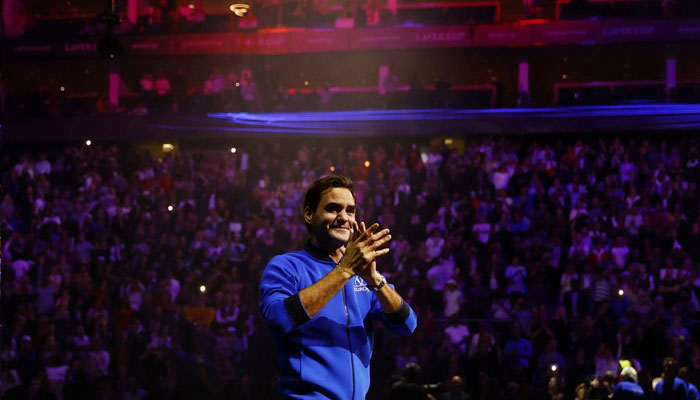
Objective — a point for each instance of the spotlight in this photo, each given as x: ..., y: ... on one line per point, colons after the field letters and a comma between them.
x: 88, y: 142
x: 367, y: 164
x: 239, y: 9
x: 63, y: 88
x: 332, y: 168
x: 170, y: 208
x: 553, y: 367
x: 167, y: 147
x: 202, y: 288
x: 621, y: 292
x: 233, y: 150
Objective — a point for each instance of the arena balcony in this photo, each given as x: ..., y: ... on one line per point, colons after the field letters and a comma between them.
x: 31, y: 19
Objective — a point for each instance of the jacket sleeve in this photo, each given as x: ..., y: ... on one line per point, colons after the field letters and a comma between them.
x: 279, y: 297
x: 401, y: 323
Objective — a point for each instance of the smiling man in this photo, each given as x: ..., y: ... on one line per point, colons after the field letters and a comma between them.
x: 321, y: 302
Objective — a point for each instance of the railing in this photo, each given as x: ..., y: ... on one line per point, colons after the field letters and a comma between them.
x: 612, y: 3
x: 614, y: 85
x: 461, y: 4
x: 493, y: 91
x: 344, y: 98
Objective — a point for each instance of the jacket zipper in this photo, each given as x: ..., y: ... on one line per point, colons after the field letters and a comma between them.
x: 347, y: 329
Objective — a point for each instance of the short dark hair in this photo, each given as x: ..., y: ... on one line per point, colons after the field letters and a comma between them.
x: 313, y: 195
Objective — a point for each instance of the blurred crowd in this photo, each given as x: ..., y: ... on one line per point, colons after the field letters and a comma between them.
x: 239, y: 91
x: 235, y: 92
x: 539, y: 267
x: 221, y: 91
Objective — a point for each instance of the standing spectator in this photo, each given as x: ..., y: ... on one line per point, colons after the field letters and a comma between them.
x: 517, y: 351
x: 45, y: 293
x: 390, y: 86
x: 249, y: 92
x: 162, y: 90
x: 515, y: 279
x: 483, y: 230
x: 458, y: 334
x: 605, y: 361
x: 147, y: 90
x: 452, y: 298
x: 434, y: 245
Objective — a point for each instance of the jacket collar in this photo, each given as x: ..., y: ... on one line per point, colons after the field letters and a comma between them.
x: 316, y: 252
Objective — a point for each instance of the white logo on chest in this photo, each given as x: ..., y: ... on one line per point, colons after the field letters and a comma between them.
x: 359, y: 285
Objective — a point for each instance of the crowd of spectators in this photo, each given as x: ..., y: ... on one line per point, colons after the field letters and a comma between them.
x: 220, y: 91
x: 238, y: 91
x: 234, y: 92
x: 538, y: 267
x: 261, y: 90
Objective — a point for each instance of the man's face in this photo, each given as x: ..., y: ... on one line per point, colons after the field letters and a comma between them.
x: 332, y: 219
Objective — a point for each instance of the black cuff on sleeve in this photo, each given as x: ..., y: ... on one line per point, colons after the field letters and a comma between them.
x: 295, y: 310
x: 399, y: 315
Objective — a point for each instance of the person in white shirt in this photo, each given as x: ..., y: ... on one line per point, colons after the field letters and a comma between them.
x: 43, y: 166
x: 458, y: 334
x: 21, y: 267
x: 99, y: 360
x: 452, y: 298
x: 81, y: 340
x: 501, y: 178
x: 620, y: 252
x: 482, y: 230
x: 439, y: 275
x: 172, y: 285
x: 434, y: 244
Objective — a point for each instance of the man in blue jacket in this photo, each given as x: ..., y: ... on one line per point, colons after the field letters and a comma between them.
x: 671, y: 387
x: 321, y: 302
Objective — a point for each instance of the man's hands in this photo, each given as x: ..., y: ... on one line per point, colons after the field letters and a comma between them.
x: 359, y: 255
x: 363, y: 249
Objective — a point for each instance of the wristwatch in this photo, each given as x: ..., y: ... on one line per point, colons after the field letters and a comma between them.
x: 378, y: 287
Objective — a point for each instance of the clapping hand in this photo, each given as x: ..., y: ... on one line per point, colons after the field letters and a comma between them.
x: 363, y: 249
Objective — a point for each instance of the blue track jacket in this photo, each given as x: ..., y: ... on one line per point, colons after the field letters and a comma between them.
x: 327, y: 356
